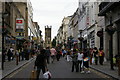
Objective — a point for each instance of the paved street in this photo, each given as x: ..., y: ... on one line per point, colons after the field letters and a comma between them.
x: 58, y: 69
x: 11, y: 66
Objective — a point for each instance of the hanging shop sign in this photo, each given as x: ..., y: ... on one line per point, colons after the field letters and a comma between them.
x: 19, y: 37
x: 19, y: 22
x: 19, y: 25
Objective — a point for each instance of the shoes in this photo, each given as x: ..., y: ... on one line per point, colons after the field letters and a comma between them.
x: 82, y: 72
x: 88, y: 72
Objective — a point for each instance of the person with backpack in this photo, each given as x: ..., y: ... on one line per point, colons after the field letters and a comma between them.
x: 86, y: 61
x: 101, y: 56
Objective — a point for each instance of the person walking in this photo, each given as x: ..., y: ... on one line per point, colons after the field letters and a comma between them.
x: 91, y: 56
x: 68, y: 56
x: 48, y: 53
x: 64, y: 52
x: 26, y: 54
x: 95, y: 53
x: 13, y: 53
x: 86, y: 61
x: 74, y: 60
x: 40, y: 63
x: 101, y: 56
x: 10, y: 53
x: 53, y: 53
x: 22, y: 54
x: 58, y: 55
x: 80, y: 60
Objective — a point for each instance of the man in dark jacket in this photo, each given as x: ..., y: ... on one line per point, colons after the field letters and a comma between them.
x: 74, y: 60
x: 40, y: 63
x: 10, y: 53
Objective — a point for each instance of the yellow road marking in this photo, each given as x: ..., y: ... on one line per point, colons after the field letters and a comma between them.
x: 100, y: 74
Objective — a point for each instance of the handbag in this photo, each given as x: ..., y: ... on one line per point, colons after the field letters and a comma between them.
x: 33, y: 75
x: 93, y: 60
x: 105, y: 60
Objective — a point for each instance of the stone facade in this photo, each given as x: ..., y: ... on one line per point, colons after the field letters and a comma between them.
x: 112, y: 19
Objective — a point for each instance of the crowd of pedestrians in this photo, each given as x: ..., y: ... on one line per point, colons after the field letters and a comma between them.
x: 80, y: 58
x: 10, y: 54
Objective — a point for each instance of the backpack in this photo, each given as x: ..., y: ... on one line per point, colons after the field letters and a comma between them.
x: 101, y: 53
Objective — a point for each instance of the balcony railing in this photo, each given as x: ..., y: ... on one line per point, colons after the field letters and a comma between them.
x: 104, y: 7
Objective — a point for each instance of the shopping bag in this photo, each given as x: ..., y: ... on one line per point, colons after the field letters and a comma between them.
x: 47, y: 75
x: 105, y: 60
x: 93, y: 60
x: 86, y: 59
x: 33, y: 75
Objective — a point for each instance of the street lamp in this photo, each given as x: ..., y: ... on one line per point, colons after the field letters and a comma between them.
x: 3, y: 34
x: 80, y: 38
x: 70, y: 41
x: 111, y: 29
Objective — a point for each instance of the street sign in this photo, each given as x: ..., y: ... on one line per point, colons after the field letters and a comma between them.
x: 20, y: 25
x: 19, y: 37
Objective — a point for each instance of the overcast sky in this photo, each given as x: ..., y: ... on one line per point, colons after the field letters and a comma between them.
x: 52, y: 12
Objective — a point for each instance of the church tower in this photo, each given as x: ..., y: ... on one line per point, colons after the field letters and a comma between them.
x: 48, y: 36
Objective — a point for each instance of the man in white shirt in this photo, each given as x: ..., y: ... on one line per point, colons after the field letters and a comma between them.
x: 80, y: 61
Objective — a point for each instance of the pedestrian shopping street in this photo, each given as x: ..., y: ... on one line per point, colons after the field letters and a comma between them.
x: 73, y: 39
x: 59, y: 69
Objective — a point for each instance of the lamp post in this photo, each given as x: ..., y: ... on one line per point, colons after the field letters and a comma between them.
x: 3, y: 34
x: 80, y: 38
x: 70, y: 41
x: 111, y: 29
